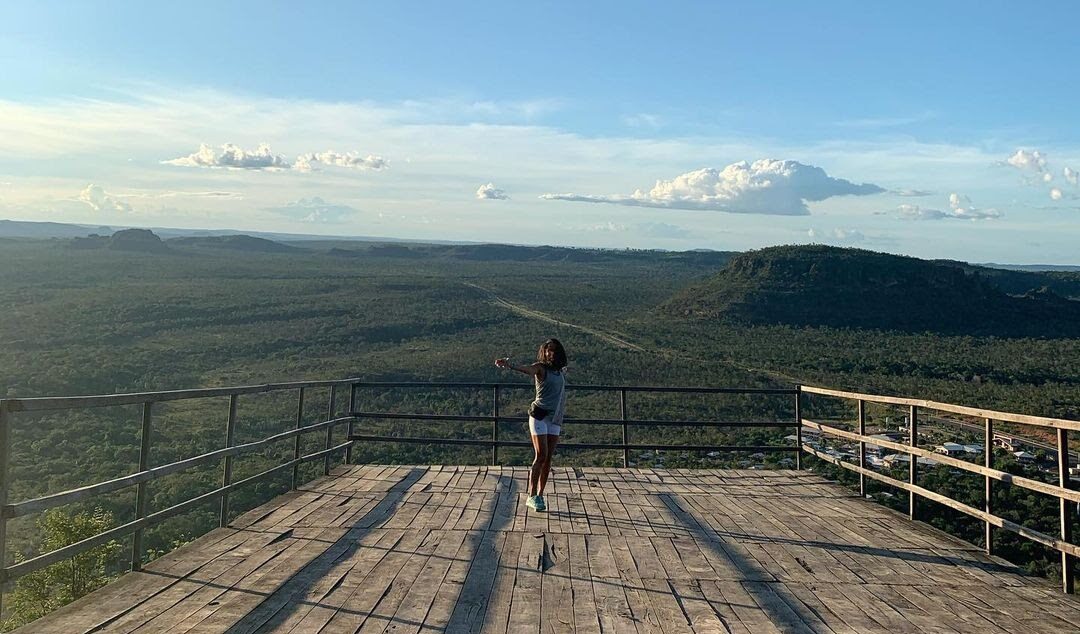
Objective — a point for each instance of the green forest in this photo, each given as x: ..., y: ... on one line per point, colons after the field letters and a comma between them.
x: 94, y: 316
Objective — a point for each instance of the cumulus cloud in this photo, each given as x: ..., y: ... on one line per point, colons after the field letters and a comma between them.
x: 490, y: 192
x: 98, y: 200
x: 263, y: 158
x: 766, y: 186
x: 218, y: 195
x: 314, y: 210
x: 843, y: 236
x: 1028, y: 160
x: 960, y: 208
x: 233, y: 157
x: 352, y: 160
x: 1071, y: 175
x: 1056, y: 194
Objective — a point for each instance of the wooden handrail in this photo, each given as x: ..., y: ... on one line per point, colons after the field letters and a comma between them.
x: 1008, y: 417
x: 1061, y: 491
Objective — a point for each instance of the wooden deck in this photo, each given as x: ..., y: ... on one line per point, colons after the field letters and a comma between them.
x: 454, y: 549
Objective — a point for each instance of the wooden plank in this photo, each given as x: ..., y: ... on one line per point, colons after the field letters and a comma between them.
x: 332, y: 592
x: 471, y: 605
x: 452, y: 588
x: 586, y: 619
x: 556, y: 611
x: 641, y: 608
x: 708, y: 616
x: 525, y: 612
x: 412, y: 613
x: 497, y: 615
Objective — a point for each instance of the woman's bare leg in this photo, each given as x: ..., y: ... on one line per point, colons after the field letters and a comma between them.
x: 551, y: 442
x: 539, y: 459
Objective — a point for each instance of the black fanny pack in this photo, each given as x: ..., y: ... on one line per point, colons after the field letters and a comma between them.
x: 537, y: 412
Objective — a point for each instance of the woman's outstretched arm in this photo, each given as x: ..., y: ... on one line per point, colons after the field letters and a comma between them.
x: 533, y: 369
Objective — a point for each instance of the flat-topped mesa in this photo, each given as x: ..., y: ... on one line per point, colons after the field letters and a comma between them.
x: 834, y: 287
x: 454, y: 548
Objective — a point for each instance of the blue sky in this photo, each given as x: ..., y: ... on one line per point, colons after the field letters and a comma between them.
x: 912, y: 128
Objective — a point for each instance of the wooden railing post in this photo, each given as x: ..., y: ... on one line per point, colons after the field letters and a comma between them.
x: 349, y: 427
x: 988, y: 489
x: 296, y: 440
x: 226, y: 471
x: 141, y: 488
x: 913, y: 428
x: 5, y: 467
x: 330, y: 428
x: 798, y: 427
x: 625, y: 429
x: 495, y: 426
x: 1066, y: 520
x: 862, y: 446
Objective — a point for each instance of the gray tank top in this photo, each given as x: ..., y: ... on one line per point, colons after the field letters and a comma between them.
x: 549, y: 391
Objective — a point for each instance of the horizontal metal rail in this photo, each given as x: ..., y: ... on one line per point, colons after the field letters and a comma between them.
x: 571, y: 445
x: 568, y: 420
x: 584, y: 387
x: 37, y: 563
x: 47, y: 502
x: 39, y: 404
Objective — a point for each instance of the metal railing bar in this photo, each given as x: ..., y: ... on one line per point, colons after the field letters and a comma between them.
x: 1033, y: 535
x: 573, y: 445
x: 585, y: 421
x: 74, y: 495
x: 585, y: 387
x: 30, y: 565
x: 39, y: 404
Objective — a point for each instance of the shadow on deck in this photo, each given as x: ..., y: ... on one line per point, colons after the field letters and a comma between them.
x: 454, y: 549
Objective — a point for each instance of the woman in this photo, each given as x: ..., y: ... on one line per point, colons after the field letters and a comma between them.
x: 545, y: 413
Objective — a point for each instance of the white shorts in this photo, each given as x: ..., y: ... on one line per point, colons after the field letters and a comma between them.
x: 543, y: 427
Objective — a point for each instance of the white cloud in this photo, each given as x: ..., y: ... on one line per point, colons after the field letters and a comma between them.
x: 767, y: 186
x: 960, y: 208
x: 842, y: 236
x: 1056, y: 194
x: 911, y: 193
x: 1071, y: 175
x: 315, y: 210
x: 1028, y: 160
x: 233, y: 157
x: 176, y: 194
x: 352, y: 160
x: 98, y: 200
x: 490, y: 192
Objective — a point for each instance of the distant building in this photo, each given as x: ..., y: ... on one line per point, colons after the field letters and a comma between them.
x: 904, y: 459
x: 950, y: 449
x: 1024, y: 457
